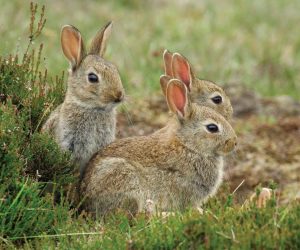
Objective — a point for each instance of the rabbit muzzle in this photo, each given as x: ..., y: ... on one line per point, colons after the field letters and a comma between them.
x: 119, y: 97
x: 114, y: 99
x: 228, y: 146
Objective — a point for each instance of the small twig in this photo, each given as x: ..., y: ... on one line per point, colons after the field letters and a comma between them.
x: 233, y: 236
x: 4, y: 240
x: 128, y: 117
x: 238, y: 186
x: 55, y: 235
x: 213, y: 215
x: 224, y: 235
x: 44, y: 114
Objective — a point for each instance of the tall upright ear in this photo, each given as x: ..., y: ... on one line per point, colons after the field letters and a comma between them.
x: 182, y: 70
x: 177, y: 98
x: 163, y: 80
x: 167, y: 56
x: 72, y: 45
x: 100, y: 40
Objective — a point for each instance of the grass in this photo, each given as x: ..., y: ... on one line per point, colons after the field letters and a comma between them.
x: 255, y: 43
x: 246, y: 42
x: 223, y: 225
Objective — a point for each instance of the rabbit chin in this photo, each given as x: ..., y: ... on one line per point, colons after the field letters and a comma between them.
x: 110, y: 106
x: 224, y: 150
x: 107, y: 107
x: 92, y: 104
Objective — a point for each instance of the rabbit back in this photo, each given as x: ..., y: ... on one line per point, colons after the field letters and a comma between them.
x: 168, y: 184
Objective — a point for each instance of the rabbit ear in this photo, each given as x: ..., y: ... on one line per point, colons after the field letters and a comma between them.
x: 72, y: 45
x: 167, y: 56
x: 181, y: 70
x: 99, y: 42
x: 163, y: 80
x: 177, y: 98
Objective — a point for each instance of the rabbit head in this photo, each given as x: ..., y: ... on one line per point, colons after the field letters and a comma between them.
x: 202, y: 92
x: 199, y: 128
x: 93, y: 82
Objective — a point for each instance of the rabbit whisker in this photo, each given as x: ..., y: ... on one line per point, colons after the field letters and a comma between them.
x: 128, y: 117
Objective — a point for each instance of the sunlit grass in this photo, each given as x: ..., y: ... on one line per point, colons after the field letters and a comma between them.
x: 222, y: 225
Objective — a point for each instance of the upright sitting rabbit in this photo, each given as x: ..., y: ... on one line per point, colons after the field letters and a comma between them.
x: 86, y: 120
x: 202, y: 92
x: 179, y: 167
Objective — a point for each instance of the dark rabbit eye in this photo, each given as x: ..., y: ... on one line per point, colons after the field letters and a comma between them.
x: 217, y: 99
x: 93, y: 78
x: 213, y: 128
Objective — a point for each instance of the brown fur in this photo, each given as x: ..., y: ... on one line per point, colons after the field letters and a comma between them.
x: 85, y: 122
x: 178, y: 167
x: 201, y: 91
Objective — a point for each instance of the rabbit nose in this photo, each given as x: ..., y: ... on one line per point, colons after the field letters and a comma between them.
x: 119, y: 97
x: 230, y: 144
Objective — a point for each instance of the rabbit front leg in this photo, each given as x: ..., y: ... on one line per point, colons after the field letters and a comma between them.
x: 66, y: 136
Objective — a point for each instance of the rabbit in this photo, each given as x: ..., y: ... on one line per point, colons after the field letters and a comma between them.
x: 86, y: 120
x: 202, y: 92
x: 180, y: 167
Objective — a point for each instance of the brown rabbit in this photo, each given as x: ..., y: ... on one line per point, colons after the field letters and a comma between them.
x: 86, y: 120
x: 202, y: 92
x: 180, y: 167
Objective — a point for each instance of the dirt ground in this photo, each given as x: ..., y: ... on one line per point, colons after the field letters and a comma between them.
x: 268, y: 132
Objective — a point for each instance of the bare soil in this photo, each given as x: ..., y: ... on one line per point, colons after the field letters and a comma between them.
x: 269, y: 139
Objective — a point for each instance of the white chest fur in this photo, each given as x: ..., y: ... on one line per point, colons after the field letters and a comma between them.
x: 220, y: 167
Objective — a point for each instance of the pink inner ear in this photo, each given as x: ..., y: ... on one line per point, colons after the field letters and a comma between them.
x: 181, y: 70
x: 71, y: 44
x: 178, y: 98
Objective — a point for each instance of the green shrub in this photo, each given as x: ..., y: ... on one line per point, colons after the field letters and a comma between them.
x: 29, y: 159
x: 45, y: 158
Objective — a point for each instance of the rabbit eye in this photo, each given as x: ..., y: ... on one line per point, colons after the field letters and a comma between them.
x: 93, y: 78
x: 213, y: 128
x: 217, y: 99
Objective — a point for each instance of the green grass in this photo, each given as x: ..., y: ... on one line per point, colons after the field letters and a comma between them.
x: 222, y: 226
x: 246, y: 42
x: 256, y: 43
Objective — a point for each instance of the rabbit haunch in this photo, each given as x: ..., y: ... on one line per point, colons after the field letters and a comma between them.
x: 180, y: 166
x: 86, y: 120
